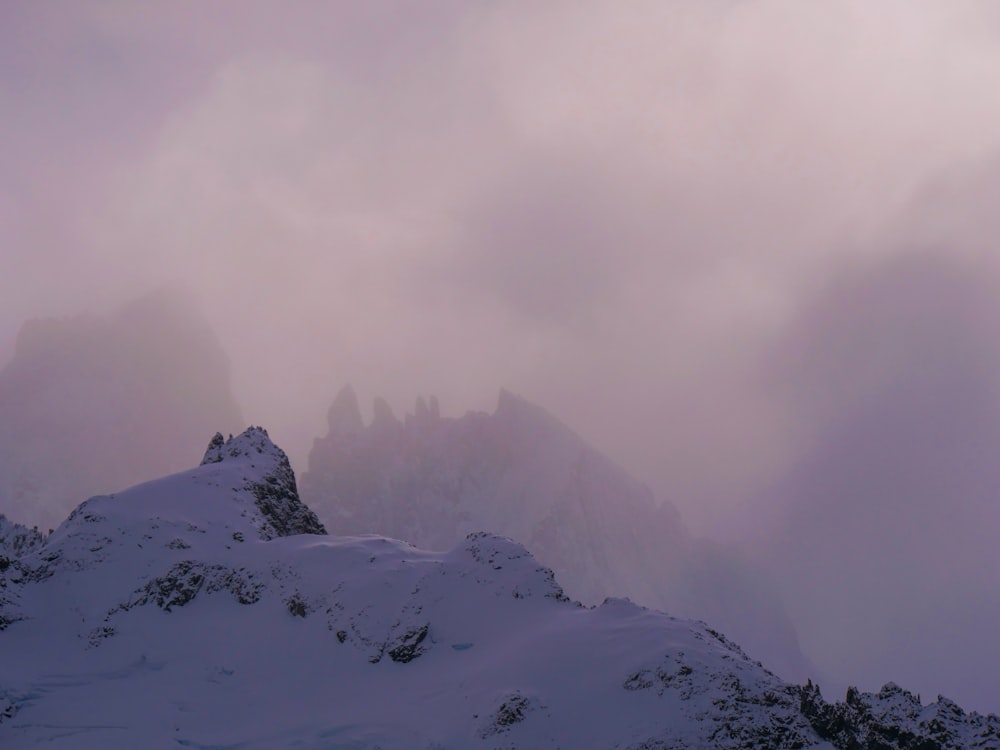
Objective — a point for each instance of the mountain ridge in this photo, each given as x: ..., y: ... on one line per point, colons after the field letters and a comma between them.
x: 172, y: 613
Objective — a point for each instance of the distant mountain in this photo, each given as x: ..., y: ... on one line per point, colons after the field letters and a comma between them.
x: 520, y: 472
x: 208, y: 609
x: 79, y: 401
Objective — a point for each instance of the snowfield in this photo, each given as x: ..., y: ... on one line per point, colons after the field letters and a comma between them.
x: 209, y: 609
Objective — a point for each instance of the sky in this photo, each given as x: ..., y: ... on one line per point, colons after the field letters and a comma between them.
x: 745, y: 247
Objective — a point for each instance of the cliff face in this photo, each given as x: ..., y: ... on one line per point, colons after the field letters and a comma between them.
x: 520, y: 472
x: 80, y: 399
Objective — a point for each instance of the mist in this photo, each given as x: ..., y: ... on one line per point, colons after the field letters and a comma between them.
x: 745, y: 248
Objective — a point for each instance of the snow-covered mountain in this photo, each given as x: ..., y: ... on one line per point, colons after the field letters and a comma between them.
x: 209, y: 609
x: 80, y: 394
x: 520, y: 472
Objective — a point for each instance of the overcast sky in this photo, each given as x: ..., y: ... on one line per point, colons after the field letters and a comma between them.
x: 716, y: 238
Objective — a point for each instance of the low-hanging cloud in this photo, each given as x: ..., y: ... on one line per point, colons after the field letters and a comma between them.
x: 887, y: 518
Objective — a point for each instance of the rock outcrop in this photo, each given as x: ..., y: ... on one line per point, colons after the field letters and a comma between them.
x: 895, y: 719
x: 274, y: 489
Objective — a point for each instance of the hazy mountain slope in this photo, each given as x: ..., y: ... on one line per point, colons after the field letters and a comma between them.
x: 520, y: 472
x: 187, y: 612
x: 79, y: 400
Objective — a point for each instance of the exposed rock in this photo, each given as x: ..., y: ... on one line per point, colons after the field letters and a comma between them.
x: 296, y: 606
x: 276, y: 492
x: 184, y: 581
x: 409, y: 647
x: 17, y: 540
x: 895, y: 719
x: 7, y: 708
x: 513, y: 709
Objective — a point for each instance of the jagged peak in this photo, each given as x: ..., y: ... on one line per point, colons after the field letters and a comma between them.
x: 276, y: 493
x: 382, y: 415
x: 424, y: 415
x: 510, y: 404
x: 344, y: 416
x: 252, y: 441
x: 507, y: 401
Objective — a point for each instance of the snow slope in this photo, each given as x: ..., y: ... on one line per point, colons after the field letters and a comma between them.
x: 208, y: 610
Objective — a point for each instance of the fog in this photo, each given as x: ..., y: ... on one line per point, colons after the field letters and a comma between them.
x: 744, y: 247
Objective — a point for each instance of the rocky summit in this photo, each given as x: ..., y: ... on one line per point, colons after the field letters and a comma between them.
x: 199, y: 611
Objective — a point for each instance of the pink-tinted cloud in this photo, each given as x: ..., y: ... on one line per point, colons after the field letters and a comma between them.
x: 621, y: 211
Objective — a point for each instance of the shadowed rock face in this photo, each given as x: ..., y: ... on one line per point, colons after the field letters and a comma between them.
x: 520, y: 472
x: 89, y: 404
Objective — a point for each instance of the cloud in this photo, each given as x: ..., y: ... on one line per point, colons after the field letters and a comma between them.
x: 621, y: 211
x: 886, y: 533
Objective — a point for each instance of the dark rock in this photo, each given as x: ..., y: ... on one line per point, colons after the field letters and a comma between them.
x: 513, y: 709
x: 894, y: 719
x: 296, y: 606
x: 213, y: 454
x: 185, y: 580
x: 409, y: 646
x: 17, y: 540
x: 276, y: 493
